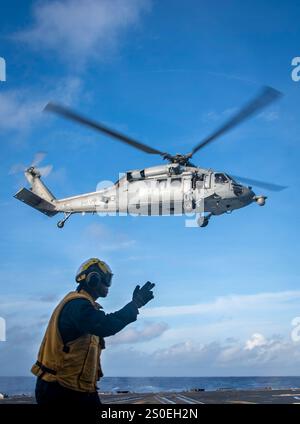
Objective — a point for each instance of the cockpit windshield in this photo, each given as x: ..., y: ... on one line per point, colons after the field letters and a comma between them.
x: 221, y: 178
x: 231, y: 178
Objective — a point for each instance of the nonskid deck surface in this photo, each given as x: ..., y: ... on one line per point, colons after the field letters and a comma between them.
x: 210, y: 397
x: 226, y: 396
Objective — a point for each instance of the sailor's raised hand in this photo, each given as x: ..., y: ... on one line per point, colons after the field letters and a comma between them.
x: 143, y: 295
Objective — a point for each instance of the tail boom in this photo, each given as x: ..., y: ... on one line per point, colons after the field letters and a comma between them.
x: 39, y: 196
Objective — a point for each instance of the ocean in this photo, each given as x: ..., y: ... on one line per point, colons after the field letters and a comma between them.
x: 25, y: 385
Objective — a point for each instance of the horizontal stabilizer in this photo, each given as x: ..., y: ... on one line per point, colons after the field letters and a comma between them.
x: 36, y: 202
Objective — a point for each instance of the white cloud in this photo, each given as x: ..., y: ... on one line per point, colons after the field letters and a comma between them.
x: 254, y: 354
x: 22, y: 109
x: 255, y: 340
x: 189, y: 358
x: 228, y: 303
x: 23, y: 306
x: 234, y: 77
x: 269, y: 116
x: 77, y: 29
x: 266, y: 352
x: 149, y: 331
x: 102, y: 238
x: 18, y: 110
x: 214, y: 116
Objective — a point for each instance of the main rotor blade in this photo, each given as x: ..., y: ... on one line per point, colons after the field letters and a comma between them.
x: 69, y: 114
x: 262, y: 184
x: 267, y: 96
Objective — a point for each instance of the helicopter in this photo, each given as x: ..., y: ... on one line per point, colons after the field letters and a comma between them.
x: 177, y: 187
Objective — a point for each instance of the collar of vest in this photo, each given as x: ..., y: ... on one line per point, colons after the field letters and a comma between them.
x: 90, y: 298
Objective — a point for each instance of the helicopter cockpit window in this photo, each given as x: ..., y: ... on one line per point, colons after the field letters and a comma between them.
x: 231, y: 178
x: 221, y: 178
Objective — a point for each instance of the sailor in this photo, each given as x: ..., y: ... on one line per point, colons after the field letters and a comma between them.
x: 68, y: 364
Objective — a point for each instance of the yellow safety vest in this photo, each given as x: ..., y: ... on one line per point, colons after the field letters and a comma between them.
x: 76, y: 364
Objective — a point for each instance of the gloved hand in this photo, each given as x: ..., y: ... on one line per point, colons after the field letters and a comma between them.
x: 143, y: 295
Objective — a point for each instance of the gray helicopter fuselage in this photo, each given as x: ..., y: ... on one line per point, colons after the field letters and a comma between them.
x: 163, y: 190
x: 176, y: 188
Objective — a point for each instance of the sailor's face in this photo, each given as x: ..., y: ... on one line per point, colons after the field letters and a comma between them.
x: 102, y: 290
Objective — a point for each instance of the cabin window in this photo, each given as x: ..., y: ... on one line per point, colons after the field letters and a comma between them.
x: 197, y: 181
x: 175, y: 184
x: 221, y: 179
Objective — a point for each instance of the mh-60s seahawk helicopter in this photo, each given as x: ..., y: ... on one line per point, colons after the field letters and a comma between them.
x: 175, y: 188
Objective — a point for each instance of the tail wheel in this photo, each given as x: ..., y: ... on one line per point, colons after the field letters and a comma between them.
x: 203, y: 221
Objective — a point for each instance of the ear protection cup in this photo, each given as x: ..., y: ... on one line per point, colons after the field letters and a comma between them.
x: 93, y: 279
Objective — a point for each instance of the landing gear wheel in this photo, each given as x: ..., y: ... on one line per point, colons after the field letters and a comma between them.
x: 61, y: 223
x: 203, y: 221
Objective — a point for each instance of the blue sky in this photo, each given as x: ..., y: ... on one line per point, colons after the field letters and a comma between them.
x: 166, y: 73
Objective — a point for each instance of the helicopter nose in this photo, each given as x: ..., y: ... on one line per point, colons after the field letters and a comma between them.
x: 248, y: 193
